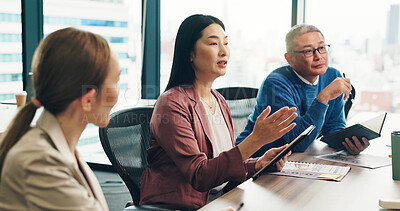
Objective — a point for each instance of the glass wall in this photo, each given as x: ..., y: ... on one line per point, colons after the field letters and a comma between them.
x: 364, y: 38
x: 256, y: 31
x: 10, y: 50
x: 119, y: 22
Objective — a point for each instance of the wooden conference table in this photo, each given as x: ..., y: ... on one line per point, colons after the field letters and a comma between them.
x: 360, y: 189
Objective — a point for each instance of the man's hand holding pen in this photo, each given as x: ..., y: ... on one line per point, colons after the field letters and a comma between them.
x: 333, y: 90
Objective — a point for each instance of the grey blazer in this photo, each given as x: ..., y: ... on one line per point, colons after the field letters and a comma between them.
x: 40, y: 173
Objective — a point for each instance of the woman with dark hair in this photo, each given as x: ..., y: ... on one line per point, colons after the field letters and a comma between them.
x: 182, y: 72
x: 75, y: 77
x: 192, y: 148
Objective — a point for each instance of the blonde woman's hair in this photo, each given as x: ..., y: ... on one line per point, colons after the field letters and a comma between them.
x: 66, y: 65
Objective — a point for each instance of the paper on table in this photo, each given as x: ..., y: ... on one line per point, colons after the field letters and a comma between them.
x: 313, y: 171
x: 363, y: 160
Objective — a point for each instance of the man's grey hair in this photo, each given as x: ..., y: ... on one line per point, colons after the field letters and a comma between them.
x: 296, y: 31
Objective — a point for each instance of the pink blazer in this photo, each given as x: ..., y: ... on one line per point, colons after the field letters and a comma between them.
x: 182, y: 168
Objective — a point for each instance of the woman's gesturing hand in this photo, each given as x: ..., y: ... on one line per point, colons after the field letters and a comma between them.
x: 269, y: 155
x: 269, y: 128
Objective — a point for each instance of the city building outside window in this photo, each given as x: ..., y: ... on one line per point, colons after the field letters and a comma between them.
x: 10, y: 50
x: 365, y: 45
x: 119, y: 22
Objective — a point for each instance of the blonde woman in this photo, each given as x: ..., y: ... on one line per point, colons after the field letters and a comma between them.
x: 75, y: 77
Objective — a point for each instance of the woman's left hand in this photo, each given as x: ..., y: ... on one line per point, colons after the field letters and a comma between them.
x: 269, y: 155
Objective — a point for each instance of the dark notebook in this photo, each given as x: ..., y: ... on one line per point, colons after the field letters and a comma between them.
x: 370, y: 129
x: 279, y: 156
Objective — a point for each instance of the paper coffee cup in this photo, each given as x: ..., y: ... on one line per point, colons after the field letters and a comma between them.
x: 20, y: 98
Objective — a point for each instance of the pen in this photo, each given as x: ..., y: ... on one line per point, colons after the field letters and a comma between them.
x: 344, y: 76
x: 240, y: 206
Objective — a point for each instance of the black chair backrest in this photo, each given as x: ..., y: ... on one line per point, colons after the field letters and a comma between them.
x: 125, y: 141
x: 241, y: 102
x: 238, y: 93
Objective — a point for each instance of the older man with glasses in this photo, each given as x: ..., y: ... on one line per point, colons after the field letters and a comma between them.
x: 307, y: 83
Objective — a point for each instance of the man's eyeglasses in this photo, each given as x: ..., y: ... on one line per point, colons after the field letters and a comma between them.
x: 310, y: 52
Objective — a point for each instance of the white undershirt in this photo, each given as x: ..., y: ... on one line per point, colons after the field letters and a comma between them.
x: 220, y: 136
x: 305, y: 80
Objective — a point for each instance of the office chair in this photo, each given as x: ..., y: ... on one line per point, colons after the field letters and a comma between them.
x: 241, y: 102
x: 125, y: 141
x: 349, y: 101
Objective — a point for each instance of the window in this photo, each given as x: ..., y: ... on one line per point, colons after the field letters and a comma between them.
x: 256, y: 31
x: 119, y: 22
x: 365, y: 45
x: 10, y: 50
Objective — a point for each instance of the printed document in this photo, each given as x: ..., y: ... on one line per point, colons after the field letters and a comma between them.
x: 313, y: 171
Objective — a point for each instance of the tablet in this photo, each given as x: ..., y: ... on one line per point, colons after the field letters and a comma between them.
x: 279, y: 156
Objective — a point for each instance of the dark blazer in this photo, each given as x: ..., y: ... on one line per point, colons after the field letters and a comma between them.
x: 182, y: 168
